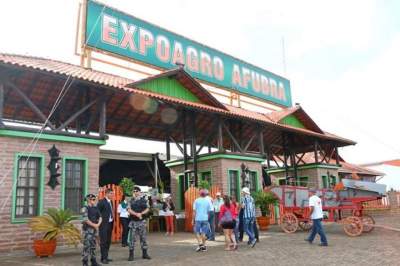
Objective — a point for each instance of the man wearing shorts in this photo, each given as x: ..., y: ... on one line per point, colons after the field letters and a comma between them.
x: 201, y: 209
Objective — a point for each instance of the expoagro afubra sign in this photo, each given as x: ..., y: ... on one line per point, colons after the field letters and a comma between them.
x: 114, y: 31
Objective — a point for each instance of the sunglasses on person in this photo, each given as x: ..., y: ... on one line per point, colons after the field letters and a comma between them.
x: 136, y: 191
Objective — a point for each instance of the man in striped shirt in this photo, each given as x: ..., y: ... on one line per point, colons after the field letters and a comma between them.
x: 249, y: 215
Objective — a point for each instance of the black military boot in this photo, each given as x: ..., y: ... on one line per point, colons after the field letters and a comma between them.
x: 145, y: 255
x: 85, y: 263
x: 94, y: 262
x: 130, y: 255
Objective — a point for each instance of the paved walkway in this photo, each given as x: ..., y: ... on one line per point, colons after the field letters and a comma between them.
x: 380, y: 247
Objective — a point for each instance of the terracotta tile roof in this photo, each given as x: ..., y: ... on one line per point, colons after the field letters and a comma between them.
x: 105, y: 79
x: 63, y: 68
x: 188, y: 82
x: 354, y: 168
x: 345, y: 166
x: 276, y: 116
x: 299, y: 113
x: 395, y: 162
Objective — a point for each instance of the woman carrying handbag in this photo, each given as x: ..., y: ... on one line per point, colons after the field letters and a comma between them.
x: 227, y: 220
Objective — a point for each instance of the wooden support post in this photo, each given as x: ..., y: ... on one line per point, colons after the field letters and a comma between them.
x: 80, y: 104
x: 316, y: 151
x: 193, y: 148
x: 294, y: 165
x: 185, y: 157
x: 1, y: 104
x: 268, y: 155
x: 220, y: 136
x: 285, y: 156
x: 240, y: 134
x: 168, y: 146
x: 261, y: 142
x: 103, y: 118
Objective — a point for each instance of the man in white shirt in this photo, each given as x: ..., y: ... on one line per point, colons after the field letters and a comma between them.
x: 217, y: 203
x: 315, y: 204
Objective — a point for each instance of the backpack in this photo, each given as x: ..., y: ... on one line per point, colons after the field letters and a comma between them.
x: 226, y: 218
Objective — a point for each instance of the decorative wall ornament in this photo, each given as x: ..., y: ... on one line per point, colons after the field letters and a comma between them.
x: 53, y: 167
x: 245, y: 175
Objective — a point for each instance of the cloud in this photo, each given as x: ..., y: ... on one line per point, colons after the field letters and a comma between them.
x: 362, y: 104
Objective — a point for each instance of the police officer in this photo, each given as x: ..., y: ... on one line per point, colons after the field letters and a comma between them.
x: 91, y: 221
x: 138, y: 208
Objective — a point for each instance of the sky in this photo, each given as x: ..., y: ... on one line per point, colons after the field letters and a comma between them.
x: 341, y: 57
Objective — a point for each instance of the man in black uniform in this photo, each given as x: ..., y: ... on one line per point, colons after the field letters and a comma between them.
x: 91, y: 221
x: 107, y: 214
x: 138, y: 208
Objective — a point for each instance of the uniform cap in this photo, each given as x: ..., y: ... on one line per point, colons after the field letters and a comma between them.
x: 90, y: 196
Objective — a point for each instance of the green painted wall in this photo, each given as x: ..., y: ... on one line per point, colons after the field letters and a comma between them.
x: 291, y: 120
x: 170, y: 87
x: 49, y: 137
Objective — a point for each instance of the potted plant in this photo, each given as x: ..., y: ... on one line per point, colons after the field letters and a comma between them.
x: 204, y: 184
x: 54, y: 223
x: 263, y: 199
x: 127, y: 186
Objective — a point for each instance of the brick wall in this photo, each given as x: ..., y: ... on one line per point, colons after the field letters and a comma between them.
x: 14, y: 237
x: 314, y: 175
x: 219, y: 173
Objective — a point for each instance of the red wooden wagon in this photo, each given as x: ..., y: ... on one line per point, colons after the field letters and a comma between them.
x: 344, y: 206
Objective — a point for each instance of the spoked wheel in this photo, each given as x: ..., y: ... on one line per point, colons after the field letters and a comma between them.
x: 368, y: 223
x: 353, y: 226
x: 289, y: 223
x: 305, y: 225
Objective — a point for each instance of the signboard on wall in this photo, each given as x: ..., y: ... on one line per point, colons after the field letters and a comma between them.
x: 114, y: 31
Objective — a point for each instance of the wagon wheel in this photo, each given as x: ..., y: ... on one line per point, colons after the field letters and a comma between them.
x: 368, y: 223
x: 353, y: 226
x: 289, y: 223
x: 305, y: 225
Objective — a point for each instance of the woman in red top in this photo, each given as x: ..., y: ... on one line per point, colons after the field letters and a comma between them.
x: 227, y: 218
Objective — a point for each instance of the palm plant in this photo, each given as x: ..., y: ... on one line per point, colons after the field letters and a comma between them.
x: 55, y: 223
x: 263, y: 199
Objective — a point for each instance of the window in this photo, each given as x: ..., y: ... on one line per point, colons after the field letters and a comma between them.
x: 281, y: 181
x: 234, y: 183
x: 27, y: 187
x: 302, y: 181
x: 183, y: 186
x: 332, y: 180
x: 324, y: 181
x: 253, y: 181
x: 206, y: 176
x: 74, y: 178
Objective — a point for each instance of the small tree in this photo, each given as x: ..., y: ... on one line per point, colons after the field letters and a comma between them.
x: 127, y: 186
x: 204, y: 184
x: 263, y: 199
